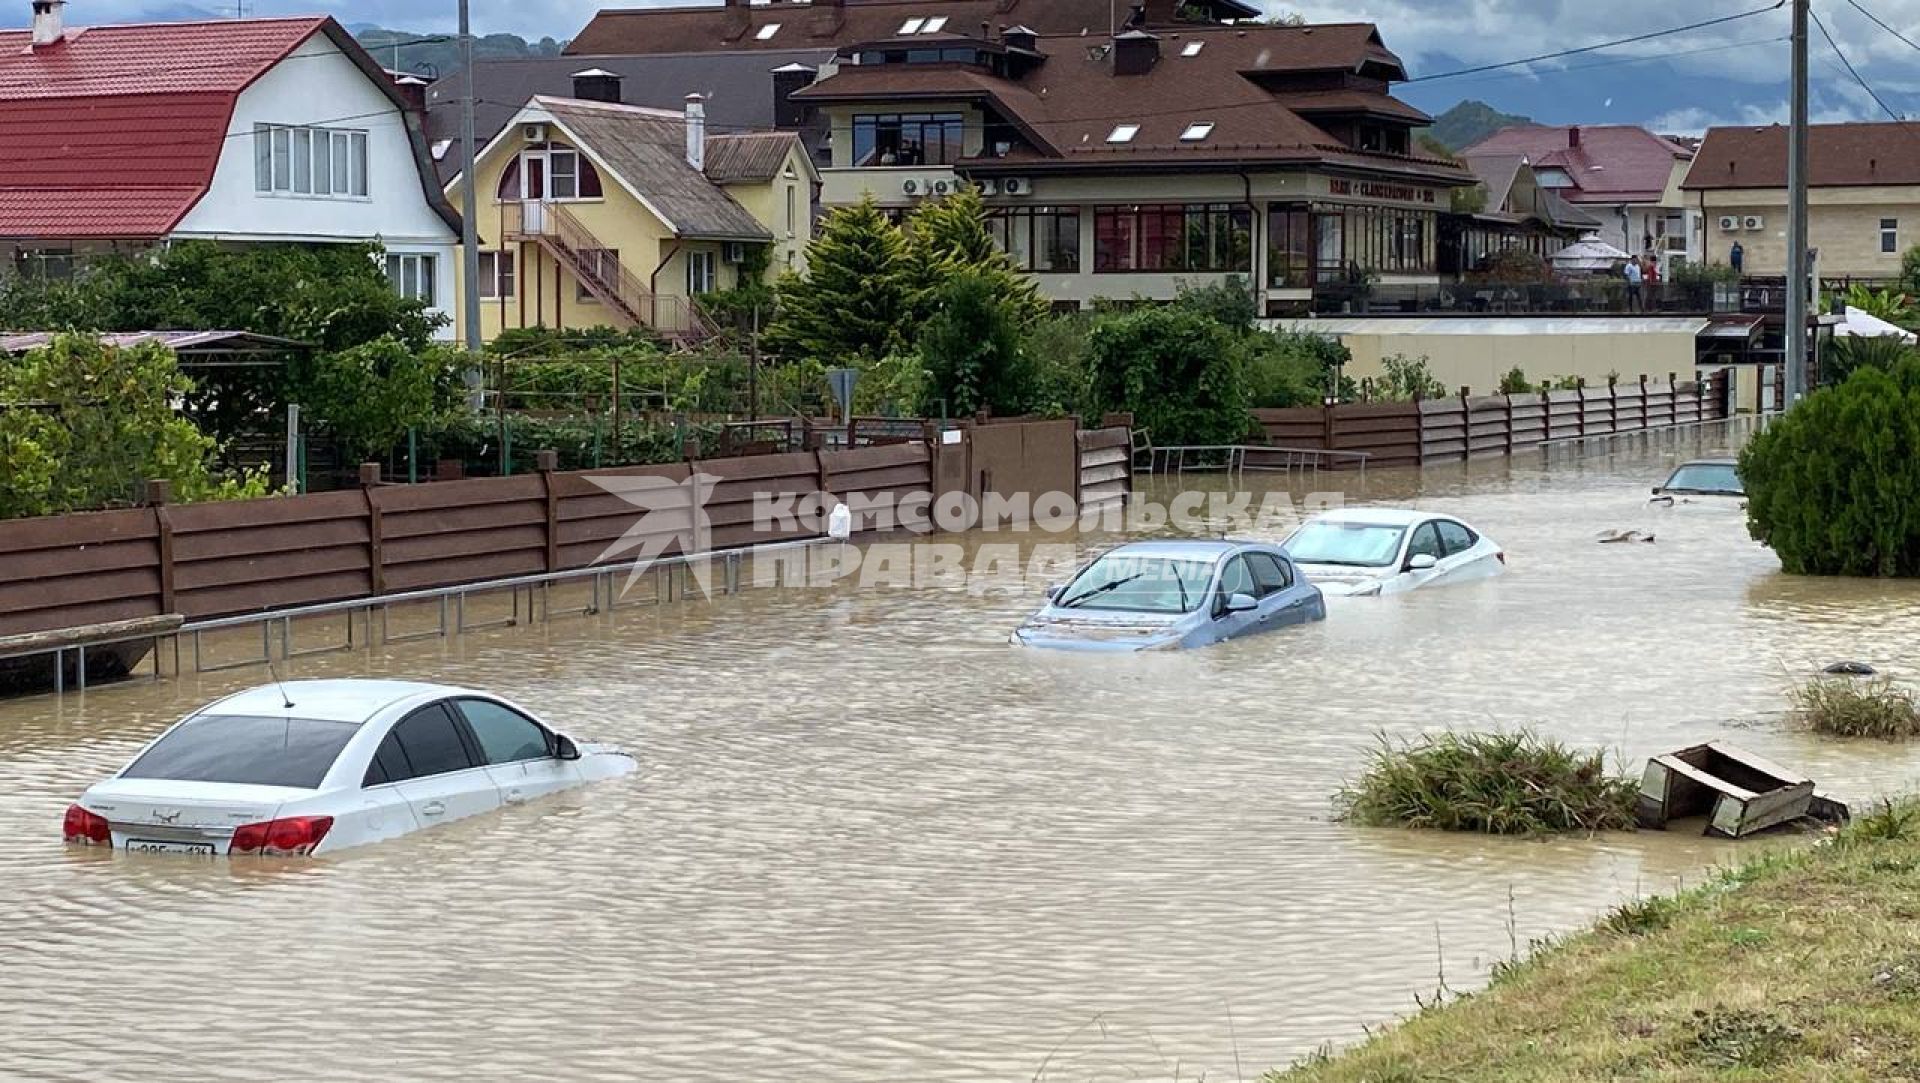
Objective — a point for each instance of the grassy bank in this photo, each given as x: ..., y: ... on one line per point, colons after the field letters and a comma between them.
x: 1802, y: 965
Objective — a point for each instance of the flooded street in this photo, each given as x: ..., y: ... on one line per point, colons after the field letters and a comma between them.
x: 870, y: 841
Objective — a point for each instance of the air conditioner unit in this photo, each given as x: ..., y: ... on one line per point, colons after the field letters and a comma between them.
x: 941, y: 187
x: 736, y: 251
x: 1729, y: 221
x: 989, y: 187
x: 533, y: 133
x: 910, y: 186
x: 1754, y: 221
x: 1016, y: 186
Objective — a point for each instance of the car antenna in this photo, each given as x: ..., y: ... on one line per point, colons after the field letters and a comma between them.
x: 286, y: 701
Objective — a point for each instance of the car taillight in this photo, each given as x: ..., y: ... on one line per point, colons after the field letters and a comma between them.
x: 87, y: 827
x: 294, y: 836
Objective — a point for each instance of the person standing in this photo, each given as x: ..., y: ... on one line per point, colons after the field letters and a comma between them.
x: 1634, y: 277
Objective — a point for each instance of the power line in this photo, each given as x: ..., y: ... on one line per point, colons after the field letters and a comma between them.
x: 1634, y: 40
x: 1851, y: 70
x: 1632, y: 60
x: 1881, y: 23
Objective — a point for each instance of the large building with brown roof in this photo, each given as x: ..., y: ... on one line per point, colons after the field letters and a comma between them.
x: 1863, y: 197
x: 1132, y: 165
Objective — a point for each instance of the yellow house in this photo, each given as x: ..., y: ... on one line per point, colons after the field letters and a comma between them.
x: 598, y: 213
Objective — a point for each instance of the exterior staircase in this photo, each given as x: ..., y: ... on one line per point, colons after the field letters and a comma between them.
x: 572, y: 245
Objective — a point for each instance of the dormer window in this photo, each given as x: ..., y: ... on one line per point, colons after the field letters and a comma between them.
x: 1193, y: 48
x: 1197, y: 131
x: 911, y: 26
x: 768, y: 31
x: 1123, y: 133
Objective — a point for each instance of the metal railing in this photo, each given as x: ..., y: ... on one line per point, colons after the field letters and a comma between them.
x: 1239, y: 459
x: 562, y: 233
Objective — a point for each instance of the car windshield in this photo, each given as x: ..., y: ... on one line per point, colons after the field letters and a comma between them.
x: 1354, y: 545
x: 1706, y: 478
x: 1139, y: 584
x: 292, y: 752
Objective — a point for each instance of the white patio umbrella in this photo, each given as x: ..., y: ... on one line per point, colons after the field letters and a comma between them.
x: 1590, y: 253
x: 1866, y: 325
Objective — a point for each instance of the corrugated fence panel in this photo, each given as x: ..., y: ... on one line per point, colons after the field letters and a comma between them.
x: 1596, y: 411
x: 1106, y: 466
x: 590, y: 519
x: 456, y: 532
x: 70, y: 570
x: 879, y: 481
x: 731, y: 507
x: 1566, y: 415
x: 1443, y: 430
x: 1388, y: 432
x: 1487, y: 426
x: 1529, y: 414
x: 1300, y: 426
x: 1629, y: 408
x: 254, y: 555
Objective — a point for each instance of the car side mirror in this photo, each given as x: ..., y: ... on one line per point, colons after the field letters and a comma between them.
x: 1242, y: 603
x: 564, y: 748
x: 1053, y: 591
x: 1422, y: 562
x: 1657, y: 490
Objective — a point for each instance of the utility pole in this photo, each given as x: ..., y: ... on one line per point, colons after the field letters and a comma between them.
x: 1797, y: 256
x: 470, y: 207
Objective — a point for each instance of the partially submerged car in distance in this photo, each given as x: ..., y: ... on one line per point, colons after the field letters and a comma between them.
x: 1167, y: 595
x: 1711, y: 480
x: 318, y: 766
x: 1373, y: 551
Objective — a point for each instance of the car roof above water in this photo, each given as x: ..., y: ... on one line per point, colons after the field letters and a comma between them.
x: 339, y: 700
x: 1201, y: 549
x: 1379, y: 516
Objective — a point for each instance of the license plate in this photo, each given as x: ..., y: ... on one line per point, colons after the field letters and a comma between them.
x: 154, y: 846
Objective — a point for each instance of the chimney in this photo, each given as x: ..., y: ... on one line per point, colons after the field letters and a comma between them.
x: 697, y: 132
x: 49, y: 27
x: 1135, y: 53
x: 788, y: 79
x: 596, y: 85
x: 1573, y: 137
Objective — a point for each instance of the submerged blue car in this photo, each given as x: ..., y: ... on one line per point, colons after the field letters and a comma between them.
x: 1167, y: 595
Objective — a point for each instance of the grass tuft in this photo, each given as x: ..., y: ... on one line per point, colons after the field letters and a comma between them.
x: 1840, y: 707
x: 1492, y: 783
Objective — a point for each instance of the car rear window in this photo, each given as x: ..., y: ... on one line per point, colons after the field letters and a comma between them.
x: 293, y: 752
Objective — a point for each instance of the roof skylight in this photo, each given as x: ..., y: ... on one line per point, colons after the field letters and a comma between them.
x: 912, y: 26
x: 1193, y: 48
x: 768, y: 31
x: 1123, y: 133
x: 1197, y: 131
x: 934, y: 25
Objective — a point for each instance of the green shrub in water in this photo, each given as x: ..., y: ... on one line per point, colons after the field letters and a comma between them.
x: 1841, y: 707
x: 1499, y: 783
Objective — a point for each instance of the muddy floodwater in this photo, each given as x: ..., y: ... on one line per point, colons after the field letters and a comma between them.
x: 870, y: 841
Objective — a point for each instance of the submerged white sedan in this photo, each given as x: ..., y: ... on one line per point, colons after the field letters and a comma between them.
x: 1372, y: 551
x: 312, y: 767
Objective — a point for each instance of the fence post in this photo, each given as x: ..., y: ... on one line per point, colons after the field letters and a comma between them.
x: 1580, y: 388
x: 376, y: 529
x: 157, y: 492
x: 1466, y: 424
x: 1645, y: 421
x: 547, y: 461
x: 1509, y: 399
x: 1546, y: 415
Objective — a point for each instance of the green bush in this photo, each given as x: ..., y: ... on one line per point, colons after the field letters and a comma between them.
x: 1178, y: 372
x: 971, y: 350
x: 583, y: 442
x: 1406, y: 379
x: 1515, y: 382
x: 1840, y: 707
x: 1290, y: 369
x: 1833, y: 486
x: 1062, y: 374
x: 1842, y: 357
x: 1499, y: 784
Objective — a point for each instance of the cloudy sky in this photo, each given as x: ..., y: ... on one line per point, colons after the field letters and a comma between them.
x: 1732, y: 73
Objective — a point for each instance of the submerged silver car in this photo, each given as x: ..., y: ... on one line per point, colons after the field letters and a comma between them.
x: 1710, y: 479
x: 1166, y: 595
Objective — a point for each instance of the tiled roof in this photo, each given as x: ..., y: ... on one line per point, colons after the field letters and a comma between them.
x: 646, y: 148
x: 1070, y: 105
x: 711, y: 27
x: 1310, y: 103
x: 115, y: 131
x: 1838, y: 156
x: 749, y: 156
x: 1613, y: 163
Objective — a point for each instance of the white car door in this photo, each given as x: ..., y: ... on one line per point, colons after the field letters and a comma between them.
x: 1425, y: 541
x: 445, y: 781
x: 520, y: 752
x: 1466, y: 557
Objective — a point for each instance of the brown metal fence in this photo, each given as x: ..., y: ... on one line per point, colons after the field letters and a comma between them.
x: 1471, y: 427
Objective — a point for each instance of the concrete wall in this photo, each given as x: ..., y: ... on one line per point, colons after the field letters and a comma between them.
x: 1478, y: 361
x: 1844, y: 225
x: 319, y: 86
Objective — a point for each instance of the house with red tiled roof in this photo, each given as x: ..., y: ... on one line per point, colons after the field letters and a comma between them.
x: 1863, y: 196
x: 1136, y: 163
x: 1626, y: 176
x: 264, y: 131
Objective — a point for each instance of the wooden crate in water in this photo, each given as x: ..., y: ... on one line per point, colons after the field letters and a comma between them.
x: 1739, y: 793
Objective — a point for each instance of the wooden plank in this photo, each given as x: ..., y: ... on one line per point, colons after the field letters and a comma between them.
x: 272, y: 511
x: 71, y: 532
x: 84, y: 634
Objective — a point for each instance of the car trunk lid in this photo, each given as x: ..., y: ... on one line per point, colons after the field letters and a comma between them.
x: 152, y: 807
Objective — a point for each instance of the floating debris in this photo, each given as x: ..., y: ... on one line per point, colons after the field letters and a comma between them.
x: 1740, y: 793
x: 1850, y: 669
x: 1615, y: 537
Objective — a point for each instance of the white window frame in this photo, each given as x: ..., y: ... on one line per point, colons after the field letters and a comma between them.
x: 304, y: 162
x: 498, y: 274
x: 912, y: 26
x: 934, y: 25
x: 703, y: 272
x: 1192, y: 48
x: 415, y: 276
x: 1889, y: 235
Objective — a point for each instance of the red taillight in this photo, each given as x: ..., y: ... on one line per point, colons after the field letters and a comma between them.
x: 294, y: 836
x: 87, y: 827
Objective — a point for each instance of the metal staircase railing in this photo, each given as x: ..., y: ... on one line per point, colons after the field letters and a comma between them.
x: 574, y: 246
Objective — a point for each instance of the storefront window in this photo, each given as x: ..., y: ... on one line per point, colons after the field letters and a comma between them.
x: 1199, y: 237
x: 1289, y: 247
x: 1039, y: 239
x: 1349, y: 238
